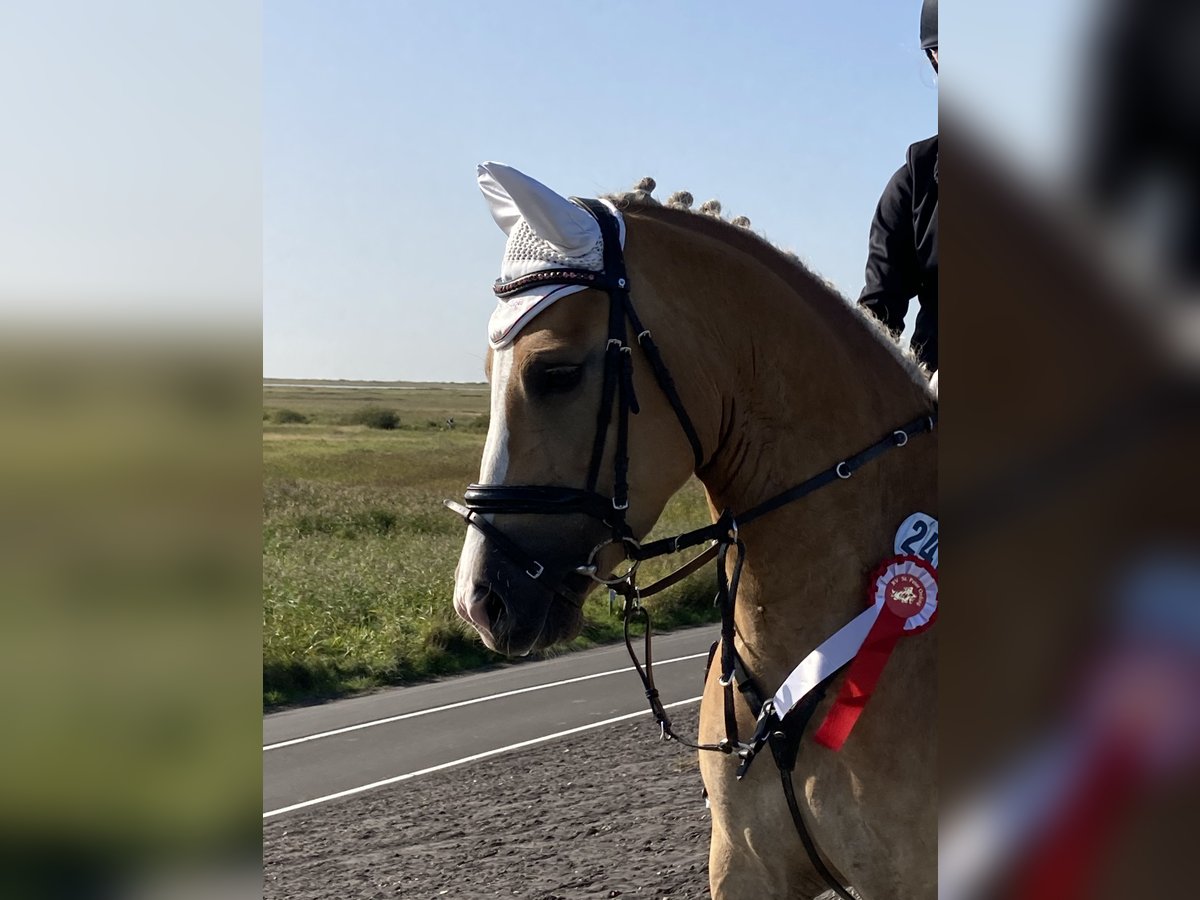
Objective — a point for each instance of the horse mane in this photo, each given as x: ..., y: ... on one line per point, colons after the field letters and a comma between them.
x: 738, y: 234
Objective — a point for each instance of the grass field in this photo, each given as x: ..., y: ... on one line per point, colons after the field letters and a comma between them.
x: 359, y: 554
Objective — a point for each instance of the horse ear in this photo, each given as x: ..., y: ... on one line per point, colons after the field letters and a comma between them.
x: 512, y: 196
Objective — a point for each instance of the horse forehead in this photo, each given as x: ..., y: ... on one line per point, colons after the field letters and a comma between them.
x: 575, y: 320
x: 568, y: 327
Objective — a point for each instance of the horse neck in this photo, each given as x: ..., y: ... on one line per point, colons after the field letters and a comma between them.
x: 789, y: 382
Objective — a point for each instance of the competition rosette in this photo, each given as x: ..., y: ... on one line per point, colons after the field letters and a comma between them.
x: 904, y: 592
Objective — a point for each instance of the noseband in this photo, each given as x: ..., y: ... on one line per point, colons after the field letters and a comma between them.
x: 484, y: 500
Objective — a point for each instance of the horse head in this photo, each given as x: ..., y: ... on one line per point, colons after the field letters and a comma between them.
x: 555, y: 512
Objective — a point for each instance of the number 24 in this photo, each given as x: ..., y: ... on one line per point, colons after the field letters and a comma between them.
x: 921, y: 530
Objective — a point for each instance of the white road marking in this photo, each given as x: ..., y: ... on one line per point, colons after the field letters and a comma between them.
x: 467, y: 759
x: 462, y: 703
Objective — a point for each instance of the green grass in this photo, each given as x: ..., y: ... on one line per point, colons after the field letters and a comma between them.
x: 359, y: 554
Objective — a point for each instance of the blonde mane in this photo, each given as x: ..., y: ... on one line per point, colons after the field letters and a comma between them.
x: 738, y: 233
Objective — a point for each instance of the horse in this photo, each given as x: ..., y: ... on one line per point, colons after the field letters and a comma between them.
x: 774, y: 376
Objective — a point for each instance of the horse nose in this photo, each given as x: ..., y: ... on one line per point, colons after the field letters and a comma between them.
x: 483, y: 610
x: 489, y: 614
x: 507, y: 624
x: 473, y: 594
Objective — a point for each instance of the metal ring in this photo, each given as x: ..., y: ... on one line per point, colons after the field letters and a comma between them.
x: 538, y: 574
x: 843, y: 465
x: 901, y: 438
x: 616, y: 579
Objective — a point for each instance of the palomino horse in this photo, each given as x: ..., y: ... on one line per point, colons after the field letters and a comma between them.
x: 778, y: 378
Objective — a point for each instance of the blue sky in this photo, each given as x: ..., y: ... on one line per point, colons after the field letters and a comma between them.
x: 378, y: 252
x: 130, y: 175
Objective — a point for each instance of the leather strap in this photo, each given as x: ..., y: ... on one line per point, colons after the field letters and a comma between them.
x: 662, y: 375
x: 842, y: 470
x: 612, y: 363
x: 695, y: 564
x: 551, y: 278
x: 535, y: 499
x: 532, y: 568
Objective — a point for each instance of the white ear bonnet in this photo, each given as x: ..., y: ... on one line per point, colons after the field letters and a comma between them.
x: 545, y: 231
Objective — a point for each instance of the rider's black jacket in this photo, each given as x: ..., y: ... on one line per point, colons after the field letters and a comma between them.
x: 902, y: 259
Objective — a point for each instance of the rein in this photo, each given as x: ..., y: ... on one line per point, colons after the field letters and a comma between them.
x: 722, y: 536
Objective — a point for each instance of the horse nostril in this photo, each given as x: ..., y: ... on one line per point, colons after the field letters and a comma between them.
x: 494, y: 607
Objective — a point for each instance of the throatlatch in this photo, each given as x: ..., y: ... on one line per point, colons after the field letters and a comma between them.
x: 722, y: 537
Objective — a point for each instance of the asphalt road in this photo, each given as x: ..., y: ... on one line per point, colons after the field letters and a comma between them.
x: 322, y: 754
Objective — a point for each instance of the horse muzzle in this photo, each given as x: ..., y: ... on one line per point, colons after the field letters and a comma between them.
x: 515, y: 613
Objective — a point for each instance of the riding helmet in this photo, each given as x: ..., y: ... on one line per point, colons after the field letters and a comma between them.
x: 929, y: 37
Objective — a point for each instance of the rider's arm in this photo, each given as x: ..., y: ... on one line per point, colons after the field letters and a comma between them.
x: 893, y: 270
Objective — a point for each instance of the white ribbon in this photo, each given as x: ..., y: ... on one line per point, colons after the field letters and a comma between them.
x: 834, y: 653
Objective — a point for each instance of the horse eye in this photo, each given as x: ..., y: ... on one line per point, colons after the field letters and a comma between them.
x: 557, y: 379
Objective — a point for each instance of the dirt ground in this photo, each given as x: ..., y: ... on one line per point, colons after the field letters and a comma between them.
x: 609, y: 813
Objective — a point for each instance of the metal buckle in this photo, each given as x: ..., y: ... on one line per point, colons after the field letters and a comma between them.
x: 620, y: 506
x: 644, y: 334
x: 901, y: 438
x: 843, y: 470
x: 538, y: 574
x: 614, y: 341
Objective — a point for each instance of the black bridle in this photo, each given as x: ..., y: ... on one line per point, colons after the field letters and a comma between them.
x: 483, y: 500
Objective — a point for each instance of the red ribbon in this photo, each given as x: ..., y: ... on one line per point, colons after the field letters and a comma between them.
x: 871, y: 658
x: 860, y: 681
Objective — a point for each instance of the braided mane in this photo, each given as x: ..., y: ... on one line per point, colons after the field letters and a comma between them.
x: 737, y: 232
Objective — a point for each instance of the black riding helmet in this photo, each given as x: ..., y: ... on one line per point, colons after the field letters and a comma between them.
x: 929, y: 35
x: 929, y: 40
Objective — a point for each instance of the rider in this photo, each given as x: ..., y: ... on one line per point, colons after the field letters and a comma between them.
x: 902, y: 256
